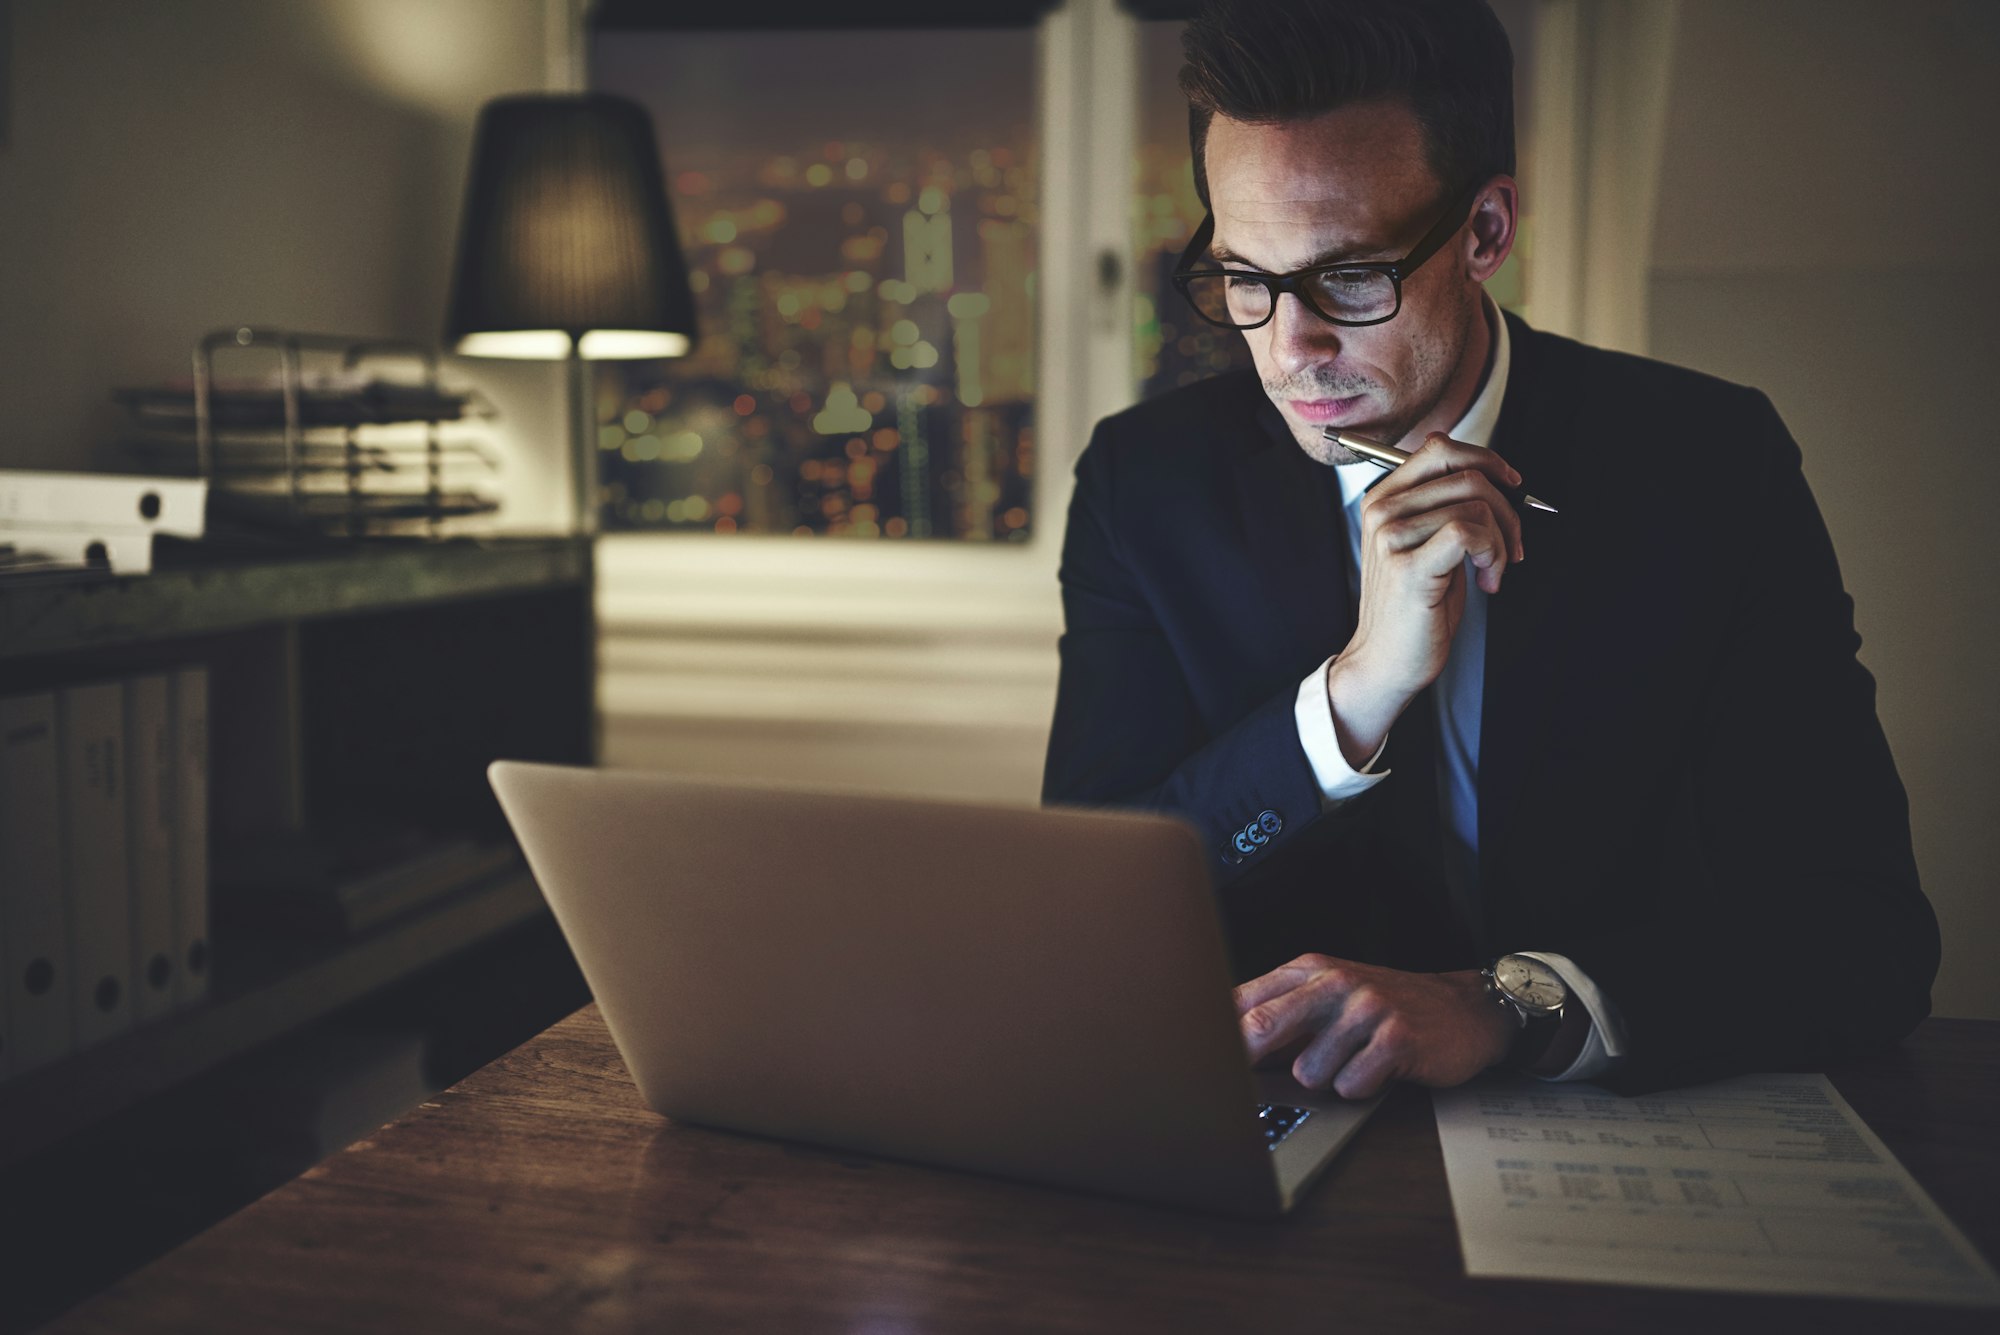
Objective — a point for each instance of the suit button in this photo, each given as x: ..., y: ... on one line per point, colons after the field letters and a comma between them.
x: 1243, y: 844
x: 1269, y: 822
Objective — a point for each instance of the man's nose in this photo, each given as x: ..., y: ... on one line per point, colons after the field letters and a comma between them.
x: 1299, y: 338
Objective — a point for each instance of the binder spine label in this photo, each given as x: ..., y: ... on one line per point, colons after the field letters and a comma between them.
x: 150, y: 771
x: 190, y: 728
x: 100, y: 894
x: 36, y: 946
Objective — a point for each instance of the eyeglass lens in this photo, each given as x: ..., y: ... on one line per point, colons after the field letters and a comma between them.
x: 1241, y: 300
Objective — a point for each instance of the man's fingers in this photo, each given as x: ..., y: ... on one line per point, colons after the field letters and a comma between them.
x: 1440, y: 455
x: 1437, y: 541
x: 1324, y: 1057
x: 1467, y: 530
x: 1260, y: 990
x: 1276, y: 983
x: 1272, y: 1024
x: 1316, y: 1001
x: 1371, y: 1069
x: 1306, y: 968
x: 1442, y: 493
x: 1443, y: 557
x: 1294, y: 1015
x: 1413, y: 531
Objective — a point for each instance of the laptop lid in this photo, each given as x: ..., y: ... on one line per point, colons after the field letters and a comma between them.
x: 1036, y: 994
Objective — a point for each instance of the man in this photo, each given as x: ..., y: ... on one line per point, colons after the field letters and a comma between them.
x: 1598, y: 794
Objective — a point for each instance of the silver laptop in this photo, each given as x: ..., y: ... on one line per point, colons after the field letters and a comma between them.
x: 1040, y: 995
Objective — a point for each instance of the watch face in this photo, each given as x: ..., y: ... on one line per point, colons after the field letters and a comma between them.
x: 1530, y: 982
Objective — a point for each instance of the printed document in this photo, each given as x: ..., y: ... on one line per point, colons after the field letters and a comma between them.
x: 1762, y: 1183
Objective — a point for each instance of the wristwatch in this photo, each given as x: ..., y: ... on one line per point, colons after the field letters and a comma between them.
x: 1536, y: 996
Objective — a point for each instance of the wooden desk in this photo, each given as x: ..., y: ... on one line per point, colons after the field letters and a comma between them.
x: 542, y: 1195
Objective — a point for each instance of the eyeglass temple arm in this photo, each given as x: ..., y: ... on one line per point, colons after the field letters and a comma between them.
x: 1197, y: 243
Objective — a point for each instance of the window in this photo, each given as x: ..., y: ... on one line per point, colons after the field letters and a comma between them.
x: 859, y: 214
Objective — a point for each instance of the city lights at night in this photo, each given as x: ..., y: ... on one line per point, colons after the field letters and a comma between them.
x: 866, y: 287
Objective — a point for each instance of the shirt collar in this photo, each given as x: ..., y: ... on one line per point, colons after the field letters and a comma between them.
x: 1475, y: 428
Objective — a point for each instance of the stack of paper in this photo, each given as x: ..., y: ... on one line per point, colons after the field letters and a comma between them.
x: 81, y: 519
x: 1759, y: 1184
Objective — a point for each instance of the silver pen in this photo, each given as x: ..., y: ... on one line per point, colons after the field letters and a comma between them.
x: 1388, y: 456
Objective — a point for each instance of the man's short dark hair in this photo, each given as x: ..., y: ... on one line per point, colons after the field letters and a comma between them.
x: 1267, y: 62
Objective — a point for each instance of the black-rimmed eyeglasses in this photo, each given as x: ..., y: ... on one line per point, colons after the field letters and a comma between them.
x: 1347, y: 292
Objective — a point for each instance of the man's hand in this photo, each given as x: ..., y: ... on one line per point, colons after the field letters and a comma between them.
x: 1364, y: 1025
x: 1419, y: 526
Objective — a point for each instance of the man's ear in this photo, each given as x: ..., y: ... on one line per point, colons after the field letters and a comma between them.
x: 1490, y: 238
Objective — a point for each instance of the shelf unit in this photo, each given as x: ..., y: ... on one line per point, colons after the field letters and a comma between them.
x: 371, y: 681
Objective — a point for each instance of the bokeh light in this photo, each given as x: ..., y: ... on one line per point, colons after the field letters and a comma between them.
x: 866, y: 361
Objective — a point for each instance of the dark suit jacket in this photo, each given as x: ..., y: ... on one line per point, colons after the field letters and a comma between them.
x: 1683, y: 785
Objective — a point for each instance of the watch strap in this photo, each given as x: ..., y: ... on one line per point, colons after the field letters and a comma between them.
x: 1534, y: 1037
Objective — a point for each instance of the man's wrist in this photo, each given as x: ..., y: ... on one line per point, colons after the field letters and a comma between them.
x: 1363, y: 712
x: 1494, y: 1022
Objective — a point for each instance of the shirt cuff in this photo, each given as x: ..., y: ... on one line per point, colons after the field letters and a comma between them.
x: 1337, y: 779
x: 1605, y: 1043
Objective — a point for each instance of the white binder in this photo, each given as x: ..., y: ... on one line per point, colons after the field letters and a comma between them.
x: 94, y: 838
x: 153, y: 814
x: 37, y: 944
x: 110, y: 518
x: 190, y: 710
x: 30, y: 500
x: 124, y: 551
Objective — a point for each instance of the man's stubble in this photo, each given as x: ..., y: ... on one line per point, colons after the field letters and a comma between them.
x: 1433, y: 363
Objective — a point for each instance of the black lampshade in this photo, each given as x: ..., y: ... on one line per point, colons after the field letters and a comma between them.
x: 568, y: 236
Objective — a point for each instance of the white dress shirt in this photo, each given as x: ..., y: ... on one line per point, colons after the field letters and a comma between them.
x: 1457, y: 695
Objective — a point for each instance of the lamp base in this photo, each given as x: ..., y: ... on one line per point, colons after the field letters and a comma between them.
x: 583, y: 445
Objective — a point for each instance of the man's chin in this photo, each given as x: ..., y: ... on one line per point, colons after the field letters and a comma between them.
x: 1311, y: 437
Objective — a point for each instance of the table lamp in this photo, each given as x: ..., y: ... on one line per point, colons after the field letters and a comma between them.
x: 567, y: 249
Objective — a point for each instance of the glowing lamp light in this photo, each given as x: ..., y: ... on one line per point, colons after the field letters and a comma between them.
x: 596, y: 345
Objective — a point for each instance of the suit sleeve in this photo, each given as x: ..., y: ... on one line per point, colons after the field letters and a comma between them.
x: 1785, y: 925
x: 1127, y: 731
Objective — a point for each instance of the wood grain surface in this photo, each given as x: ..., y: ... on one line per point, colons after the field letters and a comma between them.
x: 541, y: 1195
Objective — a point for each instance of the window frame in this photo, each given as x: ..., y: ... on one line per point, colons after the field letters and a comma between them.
x: 1086, y: 120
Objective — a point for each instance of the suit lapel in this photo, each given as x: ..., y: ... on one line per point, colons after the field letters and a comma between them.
x: 1525, y: 622
x: 1295, y: 540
